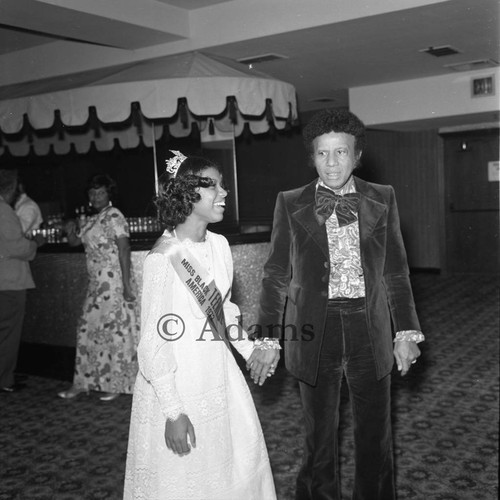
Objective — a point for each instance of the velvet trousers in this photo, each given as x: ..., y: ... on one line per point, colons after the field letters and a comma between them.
x: 12, y: 306
x: 346, y: 355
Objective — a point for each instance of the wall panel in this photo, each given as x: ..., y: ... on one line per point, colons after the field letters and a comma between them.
x: 410, y: 162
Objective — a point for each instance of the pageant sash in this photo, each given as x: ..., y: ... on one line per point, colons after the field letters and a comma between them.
x: 201, y: 287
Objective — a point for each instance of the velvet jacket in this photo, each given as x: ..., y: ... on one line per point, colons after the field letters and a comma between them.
x: 294, y: 296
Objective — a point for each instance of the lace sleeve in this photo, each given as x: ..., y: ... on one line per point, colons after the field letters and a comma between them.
x: 156, y: 358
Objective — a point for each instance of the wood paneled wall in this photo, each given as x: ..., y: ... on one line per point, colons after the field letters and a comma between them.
x: 411, y: 163
x: 268, y: 164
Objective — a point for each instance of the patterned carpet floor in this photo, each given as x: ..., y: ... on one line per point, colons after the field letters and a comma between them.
x: 445, y: 416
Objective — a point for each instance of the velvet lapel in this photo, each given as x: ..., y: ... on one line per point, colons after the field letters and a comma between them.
x: 370, y: 209
x: 303, y: 212
x: 370, y: 212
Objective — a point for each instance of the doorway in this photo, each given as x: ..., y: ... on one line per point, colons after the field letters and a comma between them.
x: 472, y: 201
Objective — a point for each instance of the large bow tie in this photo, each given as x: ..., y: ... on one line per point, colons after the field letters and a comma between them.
x: 346, y: 207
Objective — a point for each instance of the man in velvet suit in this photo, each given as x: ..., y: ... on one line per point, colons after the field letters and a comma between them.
x: 338, y: 264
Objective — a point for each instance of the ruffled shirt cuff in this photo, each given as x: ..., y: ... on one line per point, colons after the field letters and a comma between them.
x: 266, y: 343
x: 409, y: 336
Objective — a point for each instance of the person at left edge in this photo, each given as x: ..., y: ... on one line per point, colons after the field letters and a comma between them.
x: 108, y: 329
x: 15, y: 278
x: 27, y: 210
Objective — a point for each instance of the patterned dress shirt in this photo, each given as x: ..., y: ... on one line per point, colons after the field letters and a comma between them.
x: 346, y: 272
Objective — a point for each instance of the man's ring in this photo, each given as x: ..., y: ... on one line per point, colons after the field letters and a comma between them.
x: 413, y: 362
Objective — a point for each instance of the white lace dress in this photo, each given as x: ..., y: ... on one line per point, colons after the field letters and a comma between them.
x: 199, y: 377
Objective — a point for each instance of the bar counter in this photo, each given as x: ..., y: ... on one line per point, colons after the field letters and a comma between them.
x: 60, y: 274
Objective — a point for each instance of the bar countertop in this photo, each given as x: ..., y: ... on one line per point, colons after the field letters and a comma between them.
x: 145, y: 241
x: 60, y: 275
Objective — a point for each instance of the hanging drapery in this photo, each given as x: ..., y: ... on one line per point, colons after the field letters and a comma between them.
x: 122, y: 104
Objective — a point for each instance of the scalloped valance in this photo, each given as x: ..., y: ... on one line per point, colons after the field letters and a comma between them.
x: 125, y: 103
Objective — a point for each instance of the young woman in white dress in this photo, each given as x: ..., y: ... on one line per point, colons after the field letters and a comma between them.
x: 194, y: 430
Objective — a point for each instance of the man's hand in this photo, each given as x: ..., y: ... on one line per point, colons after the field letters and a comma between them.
x: 261, y: 363
x: 406, y: 353
x: 176, y: 434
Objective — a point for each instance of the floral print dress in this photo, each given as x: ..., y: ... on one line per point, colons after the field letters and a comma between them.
x: 108, y: 330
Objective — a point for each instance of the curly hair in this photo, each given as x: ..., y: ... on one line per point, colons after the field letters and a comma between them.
x: 103, y: 181
x: 334, y: 120
x: 177, y: 195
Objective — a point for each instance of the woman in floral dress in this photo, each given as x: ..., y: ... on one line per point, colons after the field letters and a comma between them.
x: 108, y: 330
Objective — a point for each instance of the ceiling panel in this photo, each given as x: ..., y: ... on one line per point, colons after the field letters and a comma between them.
x: 321, y: 62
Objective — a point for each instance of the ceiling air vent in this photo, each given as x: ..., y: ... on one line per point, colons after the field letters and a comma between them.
x: 261, y: 58
x: 443, y: 50
x: 472, y: 65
